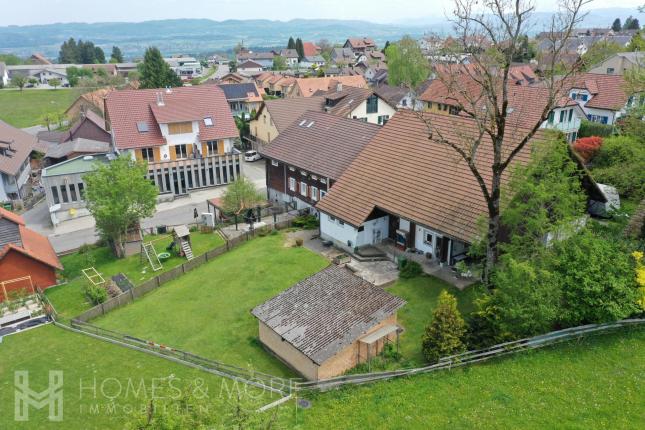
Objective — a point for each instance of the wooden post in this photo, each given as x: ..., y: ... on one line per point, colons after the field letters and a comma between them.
x: 4, y: 291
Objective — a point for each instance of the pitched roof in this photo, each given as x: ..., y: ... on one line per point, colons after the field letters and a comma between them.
x: 128, y: 107
x: 326, y: 312
x: 249, y: 64
x: 289, y: 53
x: 310, y: 49
x: 243, y: 91
x: 321, y: 143
x: 80, y: 145
x: 309, y: 86
x: 96, y: 98
x: 360, y: 42
x: 22, y: 144
x: 64, y: 136
x: 346, y: 100
x: 285, y: 111
x: 393, y: 95
x: 608, y: 90
x: 405, y: 173
x: 31, y: 243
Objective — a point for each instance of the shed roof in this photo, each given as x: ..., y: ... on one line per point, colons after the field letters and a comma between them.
x: 326, y: 312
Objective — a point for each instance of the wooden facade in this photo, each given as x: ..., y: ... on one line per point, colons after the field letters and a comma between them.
x: 278, y: 179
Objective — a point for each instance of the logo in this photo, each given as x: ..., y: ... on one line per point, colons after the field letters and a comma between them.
x: 25, y: 396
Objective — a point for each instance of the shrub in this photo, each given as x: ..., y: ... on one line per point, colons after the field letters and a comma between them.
x: 299, y: 241
x: 587, y: 147
x: 445, y: 333
x: 409, y: 269
x: 306, y: 222
x: 589, y: 128
x: 621, y: 163
x: 640, y: 278
x: 95, y: 294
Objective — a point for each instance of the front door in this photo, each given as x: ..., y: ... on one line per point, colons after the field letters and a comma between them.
x: 394, y: 226
x: 376, y: 237
x: 441, y: 249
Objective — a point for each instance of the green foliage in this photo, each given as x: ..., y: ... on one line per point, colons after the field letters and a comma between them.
x: 300, y: 49
x: 409, y: 269
x: 543, y: 197
x: 306, y: 222
x: 616, y: 26
x: 155, y: 72
x: 232, y: 66
x: 406, y: 63
x: 599, y: 52
x: 19, y: 81
x: 99, y: 56
x: 72, y: 52
x: 55, y: 82
x: 95, y: 294
x: 118, y: 195
x: 279, y: 63
x: 291, y: 44
x: 117, y: 55
x: 637, y: 43
x: 621, y: 162
x: 526, y: 50
x: 631, y: 23
x: 10, y: 59
x: 241, y: 194
x: 445, y: 333
x: 596, y: 277
x: 589, y: 128
x: 74, y: 74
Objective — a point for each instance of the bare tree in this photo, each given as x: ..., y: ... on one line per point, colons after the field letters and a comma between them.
x: 492, y: 32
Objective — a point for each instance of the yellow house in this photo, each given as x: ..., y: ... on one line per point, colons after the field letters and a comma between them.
x: 274, y: 116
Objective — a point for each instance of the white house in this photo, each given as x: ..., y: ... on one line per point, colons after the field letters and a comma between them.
x: 603, y: 98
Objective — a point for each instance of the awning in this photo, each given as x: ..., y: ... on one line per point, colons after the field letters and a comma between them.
x: 379, y: 334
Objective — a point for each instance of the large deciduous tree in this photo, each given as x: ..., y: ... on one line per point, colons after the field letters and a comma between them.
x: 241, y: 195
x: 118, y: 195
x: 117, y: 55
x: 19, y: 81
x: 406, y: 63
x: 155, y: 72
x: 493, y: 33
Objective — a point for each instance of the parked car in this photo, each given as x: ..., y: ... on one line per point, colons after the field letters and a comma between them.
x: 252, y: 156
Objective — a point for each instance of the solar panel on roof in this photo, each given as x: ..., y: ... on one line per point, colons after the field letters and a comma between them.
x: 142, y: 126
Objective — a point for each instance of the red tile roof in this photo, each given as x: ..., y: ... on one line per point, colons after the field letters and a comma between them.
x: 124, y: 109
x: 608, y: 90
x: 404, y: 173
x: 310, y: 49
x: 309, y: 86
x: 34, y: 245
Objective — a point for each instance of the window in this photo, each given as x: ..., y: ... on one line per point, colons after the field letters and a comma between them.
x: 562, y: 115
x: 303, y: 173
x: 323, y: 193
x: 180, y: 151
x: 332, y: 219
x: 382, y: 119
x: 551, y: 117
x: 292, y: 184
x: 570, y: 114
x: 303, y: 189
x: 63, y: 192
x: 314, y: 177
x: 208, y: 121
x: 314, y: 193
x: 142, y: 126
x: 584, y: 97
x: 404, y: 102
x: 147, y: 154
x: 292, y: 169
x: 372, y: 104
x: 427, y: 238
x: 72, y: 193
x: 55, y: 195
x: 211, y: 147
x: 81, y: 190
x: 454, y: 110
x: 180, y: 127
x: 340, y: 222
x: 610, y: 70
x: 274, y: 163
x: 429, y: 105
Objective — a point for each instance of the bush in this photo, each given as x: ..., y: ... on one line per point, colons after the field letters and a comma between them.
x: 445, y: 333
x: 299, y: 241
x: 306, y: 222
x: 587, y: 147
x: 589, y: 128
x: 621, y: 162
x: 409, y: 269
x: 95, y: 294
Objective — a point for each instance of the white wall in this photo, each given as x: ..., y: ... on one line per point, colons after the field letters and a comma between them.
x: 383, y: 109
x: 340, y: 234
x: 419, y: 240
x: 373, y: 232
x: 3, y: 193
x: 611, y: 115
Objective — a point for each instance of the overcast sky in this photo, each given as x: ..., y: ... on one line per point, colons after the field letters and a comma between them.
x: 25, y: 12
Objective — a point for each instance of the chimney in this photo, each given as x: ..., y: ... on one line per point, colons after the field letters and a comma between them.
x: 339, y: 87
x: 168, y: 90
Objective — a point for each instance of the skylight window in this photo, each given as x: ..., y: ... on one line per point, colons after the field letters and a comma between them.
x: 302, y: 122
x: 208, y: 121
x: 142, y: 126
x: 310, y: 124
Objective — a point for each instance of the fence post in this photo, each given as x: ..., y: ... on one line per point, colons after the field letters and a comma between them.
x: 132, y: 293
x: 102, y: 309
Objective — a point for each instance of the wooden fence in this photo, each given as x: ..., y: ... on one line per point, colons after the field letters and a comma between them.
x: 165, y: 277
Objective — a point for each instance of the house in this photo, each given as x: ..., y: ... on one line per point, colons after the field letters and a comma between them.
x: 375, y: 57
x: 45, y: 75
x: 620, y: 63
x: 233, y: 78
x: 291, y: 56
x: 603, y: 98
x: 307, y: 87
x: 281, y: 85
x: 124, y: 69
x: 328, y: 323
x: 217, y: 59
x: 63, y: 182
x: 360, y: 45
x: 384, y: 199
x: 38, y: 58
x: 307, y: 158
x: 399, y: 97
x: 186, y: 135
x: 88, y: 126
x: 275, y: 116
x: 312, y: 61
x: 79, y: 146
x: 310, y: 49
x: 23, y: 252
x: 250, y: 66
x: 91, y: 101
x: 265, y: 59
x: 363, y: 104
x: 186, y: 68
x: 4, y: 76
x: 342, y: 56
x: 565, y: 115
x: 16, y: 147
x: 243, y: 99
x: 42, y: 73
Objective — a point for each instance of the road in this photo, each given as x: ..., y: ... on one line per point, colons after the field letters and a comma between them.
x: 72, y: 234
x: 221, y: 71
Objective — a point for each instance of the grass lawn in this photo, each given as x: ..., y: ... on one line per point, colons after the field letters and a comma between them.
x: 207, y: 310
x: 69, y: 300
x: 591, y: 384
x: 84, y: 360
x: 26, y: 108
x: 422, y: 294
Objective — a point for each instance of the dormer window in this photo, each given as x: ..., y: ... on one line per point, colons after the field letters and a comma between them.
x: 208, y: 121
x: 142, y: 126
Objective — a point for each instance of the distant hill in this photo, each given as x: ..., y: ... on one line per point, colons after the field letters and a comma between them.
x: 191, y: 36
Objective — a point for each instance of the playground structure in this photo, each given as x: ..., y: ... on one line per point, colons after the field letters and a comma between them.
x: 181, y: 238
x: 148, y: 251
x: 25, y: 280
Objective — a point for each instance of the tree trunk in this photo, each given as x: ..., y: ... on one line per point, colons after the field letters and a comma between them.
x: 492, y: 236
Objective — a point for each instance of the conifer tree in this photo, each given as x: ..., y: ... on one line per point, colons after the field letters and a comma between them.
x: 445, y: 333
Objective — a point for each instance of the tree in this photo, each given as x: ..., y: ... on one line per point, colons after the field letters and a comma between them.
x: 232, y: 66
x: 616, y: 26
x: 621, y: 163
x: 155, y: 72
x: 19, y: 81
x: 406, y: 63
x: 239, y: 46
x: 387, y: 44
x: 493, y: 33
x: 631, y: 23
x: 68, y: 53
x: 279, y: 63
x: 55, y: 82
x: 86, y: 52
x: 637, y: 43
x: 48, y: 119
x: 33, y: 81
x: 599, y: 52
x: 241, y: 195
x: 117, y: 55
x: 74, y: 74
x: 118, y: 195
x: 300, y: 49
x: 445, y: 333
x: 99, y: 55
x: 10, y: 59
x: 291, y: 44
